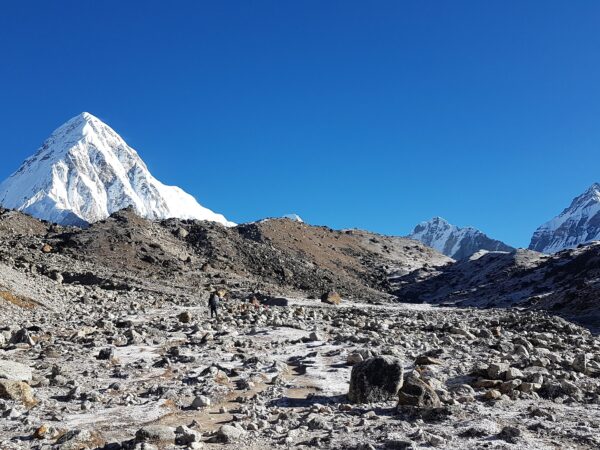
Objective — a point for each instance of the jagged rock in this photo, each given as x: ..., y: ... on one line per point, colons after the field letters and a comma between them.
x: 22, y: 336
x: 376, y: 379
x: 416, y: 393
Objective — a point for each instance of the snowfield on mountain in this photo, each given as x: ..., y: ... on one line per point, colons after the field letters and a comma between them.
x: 85, y: 171
x: 455, y: 242
x: 577, y: 224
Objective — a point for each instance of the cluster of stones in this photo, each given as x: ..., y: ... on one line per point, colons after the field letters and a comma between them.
x: 413, y: 377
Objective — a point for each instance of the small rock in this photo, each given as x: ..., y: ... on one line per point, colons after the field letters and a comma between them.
x: 228, y: 434
x: 185, y: 317
x: 80, y: 440
x: 156, y: 434
x: 314, y: 337
x: 354, y: 358
x: 187, y: 436
x: 200, y: 402
x: 483, y: 383
x: 425, y: 360
x: 106, y: 354
x: 512, y: 373
x: 493, y: 394
x: 331, y: 298
x: 496, y: 371
x: 510, y: 434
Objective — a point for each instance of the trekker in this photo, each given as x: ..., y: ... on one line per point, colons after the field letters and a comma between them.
x: 213, y: 304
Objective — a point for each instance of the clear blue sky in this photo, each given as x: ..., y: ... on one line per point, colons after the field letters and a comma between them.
x: 352, y: 114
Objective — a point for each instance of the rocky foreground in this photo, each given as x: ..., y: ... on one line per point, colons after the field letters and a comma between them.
x: 146, y: 371
x: 106, y: 341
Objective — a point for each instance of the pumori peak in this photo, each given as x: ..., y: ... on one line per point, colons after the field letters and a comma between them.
x: 85, y: 171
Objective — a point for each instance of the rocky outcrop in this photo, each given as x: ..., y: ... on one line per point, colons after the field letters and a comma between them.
x: 566, y: 283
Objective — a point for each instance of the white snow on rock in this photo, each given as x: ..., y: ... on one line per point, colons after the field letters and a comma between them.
x: 294, y: 217
x: 455, y: 242
x: 577, y: 224
x: 85, y: 171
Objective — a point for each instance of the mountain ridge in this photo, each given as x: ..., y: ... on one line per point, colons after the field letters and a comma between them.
x: 579, y: 223
x: 455, y: 242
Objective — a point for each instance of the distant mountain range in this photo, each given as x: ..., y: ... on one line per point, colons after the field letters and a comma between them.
x: 85, y: 171
x: 455, y: 242
x: 577, y: 224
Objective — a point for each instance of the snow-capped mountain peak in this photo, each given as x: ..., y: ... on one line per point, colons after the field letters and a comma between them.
x: 85, y: 171
x: 577, y: 224
x: 458, y: 243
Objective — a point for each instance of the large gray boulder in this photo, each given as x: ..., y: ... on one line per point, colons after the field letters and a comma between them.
x: 375, y: 380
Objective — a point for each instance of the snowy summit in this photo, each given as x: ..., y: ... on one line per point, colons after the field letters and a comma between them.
x: 455, y: 242
x: 577, y: 224
x: 85, y: 171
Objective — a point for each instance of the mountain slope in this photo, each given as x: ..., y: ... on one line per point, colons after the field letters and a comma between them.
x: 577, y: 224
x: 567, y: 283
x: 276, y: 256
x: 85, y: 171
x: 455, y: 242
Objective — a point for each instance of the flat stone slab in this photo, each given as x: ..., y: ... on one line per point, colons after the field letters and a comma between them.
x: 14, y: 371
